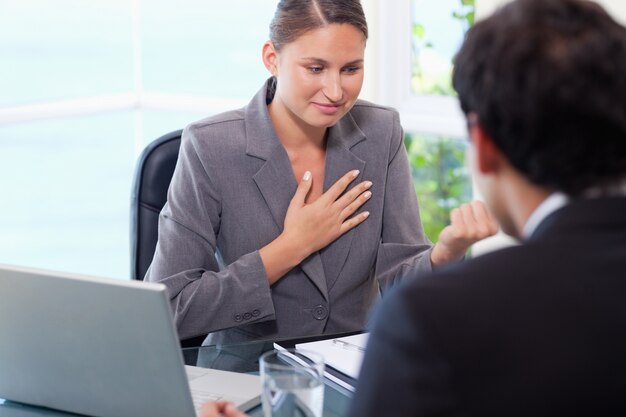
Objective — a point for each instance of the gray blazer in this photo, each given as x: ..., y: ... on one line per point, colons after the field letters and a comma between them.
x: 228, y: 198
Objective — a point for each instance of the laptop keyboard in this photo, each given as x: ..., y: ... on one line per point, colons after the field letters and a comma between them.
x: 200, y: 397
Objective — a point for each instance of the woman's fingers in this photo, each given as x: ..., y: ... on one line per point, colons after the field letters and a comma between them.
x: 333, y: 193
x: 310, y: 227
x: 489, y: 225
x: 357, y: 193
x: 219, y: 409
x: 477, y: 222
x: 353, y: 204
x: 353, y: 222
x: 302, y: 191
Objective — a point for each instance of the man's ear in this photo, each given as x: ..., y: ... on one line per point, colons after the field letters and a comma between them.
x: 270, y: 58
x: 487, y: 155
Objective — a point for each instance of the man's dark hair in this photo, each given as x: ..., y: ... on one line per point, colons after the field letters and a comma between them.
x: 547, y: 79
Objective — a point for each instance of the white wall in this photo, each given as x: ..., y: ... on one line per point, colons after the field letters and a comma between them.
x: 617, y: 8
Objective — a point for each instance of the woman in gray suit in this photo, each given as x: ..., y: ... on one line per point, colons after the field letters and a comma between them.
x: 289, y: 216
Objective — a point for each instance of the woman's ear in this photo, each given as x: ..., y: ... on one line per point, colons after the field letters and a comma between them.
x: 270, y: 58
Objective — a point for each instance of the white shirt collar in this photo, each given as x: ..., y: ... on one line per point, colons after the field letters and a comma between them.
x: 548, y: 206
x: 557, y: 199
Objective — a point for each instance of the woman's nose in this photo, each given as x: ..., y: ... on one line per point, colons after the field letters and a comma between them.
x: 332, y: 87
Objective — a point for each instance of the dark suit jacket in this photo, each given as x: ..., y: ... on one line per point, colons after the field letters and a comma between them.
x: 534, y: 330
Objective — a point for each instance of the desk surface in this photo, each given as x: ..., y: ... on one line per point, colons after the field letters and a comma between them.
x: 233, y: 357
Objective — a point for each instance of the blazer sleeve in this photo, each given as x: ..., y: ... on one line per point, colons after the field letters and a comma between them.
x: 402, y: 374
x: 404, y: 249
x: 203, y: 297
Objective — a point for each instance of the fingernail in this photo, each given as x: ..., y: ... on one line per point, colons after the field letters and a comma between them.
x: 368, y: 185
x: 355, y: 173
x: 366, y: 214
x: 307, y: 176
x: 367, y: 195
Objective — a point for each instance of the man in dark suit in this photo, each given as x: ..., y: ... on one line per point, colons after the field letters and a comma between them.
x: 538, y: 329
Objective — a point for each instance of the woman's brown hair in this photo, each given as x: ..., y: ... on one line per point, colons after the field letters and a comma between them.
x: 293, y: 18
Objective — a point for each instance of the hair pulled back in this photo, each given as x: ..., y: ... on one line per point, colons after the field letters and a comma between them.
x: 293, y: 18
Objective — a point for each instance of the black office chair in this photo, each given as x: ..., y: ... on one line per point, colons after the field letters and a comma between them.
x: 153, y: 175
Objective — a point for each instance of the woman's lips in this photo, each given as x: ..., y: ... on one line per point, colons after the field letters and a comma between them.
x: 328, y: 108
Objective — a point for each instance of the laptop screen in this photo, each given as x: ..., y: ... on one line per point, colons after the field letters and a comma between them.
x: 94, y: 346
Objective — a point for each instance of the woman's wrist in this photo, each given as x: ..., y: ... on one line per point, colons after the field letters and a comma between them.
x: 280, y: 256
x: 442, y: 254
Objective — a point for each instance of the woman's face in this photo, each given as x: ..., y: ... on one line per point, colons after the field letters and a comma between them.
x: 320, y: 74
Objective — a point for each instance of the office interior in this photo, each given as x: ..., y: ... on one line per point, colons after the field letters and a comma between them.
x: 87, y: 86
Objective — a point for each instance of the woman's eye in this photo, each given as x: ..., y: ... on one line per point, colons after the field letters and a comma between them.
x: 315, y: 70
x: 351, y: 70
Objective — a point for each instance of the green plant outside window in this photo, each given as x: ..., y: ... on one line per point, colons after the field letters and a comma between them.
x: 441, y: 179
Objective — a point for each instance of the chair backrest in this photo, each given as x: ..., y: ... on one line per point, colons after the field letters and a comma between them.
x: 153, y: 174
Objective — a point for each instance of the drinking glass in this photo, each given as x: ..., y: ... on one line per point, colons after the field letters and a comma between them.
x: 292, y: 383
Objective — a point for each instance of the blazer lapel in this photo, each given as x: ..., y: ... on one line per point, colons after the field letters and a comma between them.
x: 339, y: 160
x: 275, y: 179
x: 277, y: 184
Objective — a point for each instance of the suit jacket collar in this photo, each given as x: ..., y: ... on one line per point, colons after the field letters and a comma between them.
x: 261, y: 136
x: 606, y: 214
x: 277, y: 184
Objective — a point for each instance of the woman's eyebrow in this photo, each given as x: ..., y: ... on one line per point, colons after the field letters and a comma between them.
x: 324, y: 62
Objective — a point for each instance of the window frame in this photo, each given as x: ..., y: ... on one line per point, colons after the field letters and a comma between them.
x: 439, y: 115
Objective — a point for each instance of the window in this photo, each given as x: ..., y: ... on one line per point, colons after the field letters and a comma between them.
x: 420, y: 39
x: 440, y: 177
x: 64, y: 49
x: 88, y: 85
x: 437, y: 31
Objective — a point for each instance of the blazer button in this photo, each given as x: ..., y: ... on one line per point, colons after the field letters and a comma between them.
x: 238, y: 317
x: 320, y: 312
x: 247, y: 316
x: 256, y: 313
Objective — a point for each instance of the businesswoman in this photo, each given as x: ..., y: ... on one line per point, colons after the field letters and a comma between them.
x: 287, y: 217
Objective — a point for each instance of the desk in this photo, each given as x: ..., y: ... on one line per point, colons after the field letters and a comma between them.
x: 233, y: 357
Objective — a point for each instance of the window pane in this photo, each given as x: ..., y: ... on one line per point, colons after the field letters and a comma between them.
x: 438, y: 30
x: 156, y: 123
x: 63, y: 49
x: 66, y: 189
x: 207, y: 47
x: 441, y: 179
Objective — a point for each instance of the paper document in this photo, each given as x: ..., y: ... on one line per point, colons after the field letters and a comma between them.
x: 341, y: 381
x: 344, y: 354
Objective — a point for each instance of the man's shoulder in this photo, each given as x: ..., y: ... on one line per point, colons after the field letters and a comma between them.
x: 500, y: 291
x: 473, y: 274
x: 475, y: 289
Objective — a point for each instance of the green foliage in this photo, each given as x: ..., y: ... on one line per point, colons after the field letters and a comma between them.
x: 427, y: 82
x: 467, y: 14
x: 440, y: 177
x: 419, y: 31
x: 438, y: 163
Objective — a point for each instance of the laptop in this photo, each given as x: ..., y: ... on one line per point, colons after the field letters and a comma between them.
x: 101, y: 347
